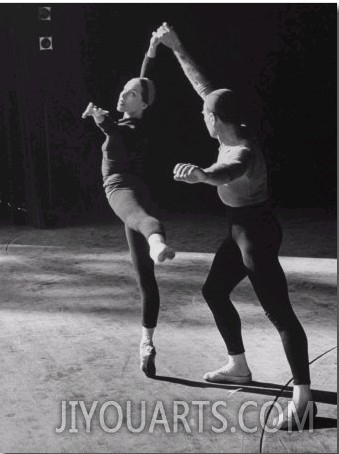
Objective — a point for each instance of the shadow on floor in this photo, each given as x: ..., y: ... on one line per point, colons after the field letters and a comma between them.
x: 319, y: 423
x: 267, y: 389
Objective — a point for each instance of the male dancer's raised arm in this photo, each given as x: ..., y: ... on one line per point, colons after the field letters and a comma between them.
x: 195, y: 75
x: 225, y: 170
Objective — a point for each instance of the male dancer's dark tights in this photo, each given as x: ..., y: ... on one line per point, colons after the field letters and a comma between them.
x: 251, y: 249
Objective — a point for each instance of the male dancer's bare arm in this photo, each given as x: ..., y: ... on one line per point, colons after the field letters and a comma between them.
x: 194, y: 74
x: 217, y: 174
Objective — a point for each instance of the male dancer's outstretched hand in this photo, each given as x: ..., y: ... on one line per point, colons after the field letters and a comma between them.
x: 189, y: 173
x: 96, y: 112
x: 168, y: 37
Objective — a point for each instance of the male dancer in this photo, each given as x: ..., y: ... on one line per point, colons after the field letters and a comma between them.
x: 125, y: 183
x: 254, y: 236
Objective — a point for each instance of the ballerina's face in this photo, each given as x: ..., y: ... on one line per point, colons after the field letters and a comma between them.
x: 131, y: 99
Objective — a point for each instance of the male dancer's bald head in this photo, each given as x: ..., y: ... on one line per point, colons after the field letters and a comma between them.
x: 220, y: 109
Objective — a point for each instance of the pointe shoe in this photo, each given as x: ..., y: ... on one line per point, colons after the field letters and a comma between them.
x: 147, y: 356
x: 160, y: 252
x: 289, y: 422
x: 223, y: 376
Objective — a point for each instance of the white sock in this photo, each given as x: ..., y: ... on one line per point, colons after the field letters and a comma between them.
x: 155, y: 239
x: 147, y: 335
x: 237, y: 360
x: 302, y: 394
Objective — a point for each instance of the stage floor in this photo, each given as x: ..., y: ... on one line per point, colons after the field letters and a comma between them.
x: 70, y: 331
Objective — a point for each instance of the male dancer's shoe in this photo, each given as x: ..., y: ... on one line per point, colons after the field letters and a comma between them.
x: 147, y: 357
x: 158, y: 249
x: 226, y: 376
x: 289, y: 421
x: 160, y: 252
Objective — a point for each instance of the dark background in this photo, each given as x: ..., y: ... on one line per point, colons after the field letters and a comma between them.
x: 279, y: 58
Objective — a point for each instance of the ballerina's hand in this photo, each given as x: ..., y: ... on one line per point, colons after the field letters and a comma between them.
x: 94, y: 111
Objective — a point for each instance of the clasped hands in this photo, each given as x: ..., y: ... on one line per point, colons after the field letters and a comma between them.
x: 165, y: 35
